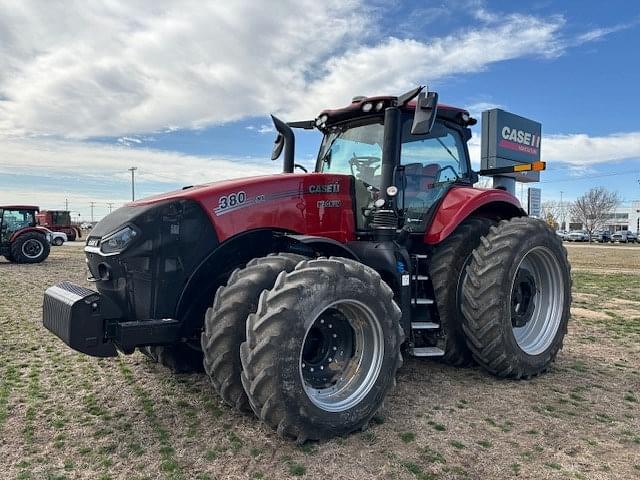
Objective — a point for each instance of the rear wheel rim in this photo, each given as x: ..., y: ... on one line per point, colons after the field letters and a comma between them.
x: 341, y: 356
x: 537, y: 300
x: 32, y: 248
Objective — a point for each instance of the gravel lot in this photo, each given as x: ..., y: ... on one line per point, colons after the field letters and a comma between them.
x: 65, y: 415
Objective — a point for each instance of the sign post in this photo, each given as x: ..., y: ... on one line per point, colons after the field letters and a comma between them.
x: 534, y: 203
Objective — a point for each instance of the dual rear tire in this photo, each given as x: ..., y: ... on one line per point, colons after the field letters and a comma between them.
x: 318, y: 349
x: 517, y: 297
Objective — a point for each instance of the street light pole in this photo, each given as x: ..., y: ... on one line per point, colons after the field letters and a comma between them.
x: 133, y: 183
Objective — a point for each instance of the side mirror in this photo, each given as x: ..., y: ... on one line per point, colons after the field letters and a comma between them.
x: 278, y: 145
x: 426, y: 111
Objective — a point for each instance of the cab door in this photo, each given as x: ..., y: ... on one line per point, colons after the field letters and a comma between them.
x: 430, y: 165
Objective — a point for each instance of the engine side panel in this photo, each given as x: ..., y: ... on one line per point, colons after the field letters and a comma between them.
x: 460, y: 202
x: 314, y: 204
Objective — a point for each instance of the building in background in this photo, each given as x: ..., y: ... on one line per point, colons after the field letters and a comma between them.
x: 623, y: 218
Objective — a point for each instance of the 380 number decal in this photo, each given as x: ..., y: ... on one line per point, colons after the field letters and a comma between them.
x: 231, y: 200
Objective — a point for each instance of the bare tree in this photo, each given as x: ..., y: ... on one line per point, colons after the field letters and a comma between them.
x: 551, y: 211
x: 592, y: 208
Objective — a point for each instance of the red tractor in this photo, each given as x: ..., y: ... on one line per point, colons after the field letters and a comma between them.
x: 300, y: 292
x: 21, y: 240
x: 59, y: 221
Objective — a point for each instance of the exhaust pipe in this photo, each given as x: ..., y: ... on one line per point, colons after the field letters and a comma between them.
x: 285, y: 139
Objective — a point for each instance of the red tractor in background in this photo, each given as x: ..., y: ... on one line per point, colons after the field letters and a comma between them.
x: 300, y: 292
x: 21, y: 240
x: 59, y: 221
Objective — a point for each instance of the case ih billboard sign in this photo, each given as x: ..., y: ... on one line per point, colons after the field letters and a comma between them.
x: 507, y: 140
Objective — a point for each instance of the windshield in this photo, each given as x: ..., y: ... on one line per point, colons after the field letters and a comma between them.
x: 431, y: 164
x: 355, y: 151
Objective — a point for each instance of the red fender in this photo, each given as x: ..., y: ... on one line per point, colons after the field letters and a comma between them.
x: 460, y: 202
x: 17, y: 233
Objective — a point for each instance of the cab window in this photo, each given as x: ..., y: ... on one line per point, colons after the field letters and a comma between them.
x: 432, y: 163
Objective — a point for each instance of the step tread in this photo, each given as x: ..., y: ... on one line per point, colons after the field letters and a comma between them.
x: 422, y: 301
x: 424, y: 325
x: 421, y: 277
x: 426, y: 352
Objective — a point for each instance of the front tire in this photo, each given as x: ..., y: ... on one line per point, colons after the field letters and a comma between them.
x: 30, y: 247
x: 226, y: 323
x: 322, y: 349
x: 447, y: 270
x: 517, y: 298
x: 58, y: 241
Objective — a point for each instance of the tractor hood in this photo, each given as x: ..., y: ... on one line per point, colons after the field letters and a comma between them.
x: 296, y: 202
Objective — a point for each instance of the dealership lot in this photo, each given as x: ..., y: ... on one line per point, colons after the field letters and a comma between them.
x: 65, y: 415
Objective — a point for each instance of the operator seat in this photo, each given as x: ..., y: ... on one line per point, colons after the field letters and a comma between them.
x: 420, y: 177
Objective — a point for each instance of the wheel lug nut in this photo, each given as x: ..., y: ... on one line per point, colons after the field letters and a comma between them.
x: 335, y: 348
x: 311, y: 369
x: 303, y: 365
x: 321, y: 367
x: 330, y: 326
x: 322, y: 320
x: 329, y: 358
x: 335, y: 336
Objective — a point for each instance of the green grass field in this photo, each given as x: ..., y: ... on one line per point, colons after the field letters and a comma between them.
x: 65, y: 416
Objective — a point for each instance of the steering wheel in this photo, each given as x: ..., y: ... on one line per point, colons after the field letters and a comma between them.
x: 364, y: 164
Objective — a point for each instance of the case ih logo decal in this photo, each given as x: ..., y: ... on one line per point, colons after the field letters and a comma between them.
x: 325, y: 188
x: 519, y: 140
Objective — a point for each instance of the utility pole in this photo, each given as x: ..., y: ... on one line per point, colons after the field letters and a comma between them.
x: 66, y: 204
x: 133, y: 183
x: 92, y: 205
x: 110, y: 206
x: 562, y: 227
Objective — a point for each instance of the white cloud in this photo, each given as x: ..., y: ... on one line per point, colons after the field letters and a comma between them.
x: 110, y: 163
x: 138, y: 66
x: 582, y: 149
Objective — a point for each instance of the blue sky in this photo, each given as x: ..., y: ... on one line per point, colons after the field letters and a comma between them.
x: 184, y: 92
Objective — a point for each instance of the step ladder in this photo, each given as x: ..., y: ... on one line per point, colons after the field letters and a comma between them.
x: 420, y: 305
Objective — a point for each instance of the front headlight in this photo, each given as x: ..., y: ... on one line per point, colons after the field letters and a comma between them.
x: 118, y: 241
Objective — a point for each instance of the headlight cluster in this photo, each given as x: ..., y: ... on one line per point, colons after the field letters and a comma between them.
x: 118, y: 241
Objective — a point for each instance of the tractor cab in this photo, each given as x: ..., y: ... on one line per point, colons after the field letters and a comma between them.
x: 429, y: 162
x: 21, y: 240
x: 14, y: 218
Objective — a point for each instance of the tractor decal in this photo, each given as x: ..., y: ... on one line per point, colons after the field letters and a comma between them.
x: 238, y: 200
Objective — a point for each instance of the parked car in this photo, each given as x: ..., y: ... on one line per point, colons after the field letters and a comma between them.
x: 56, y: 238
x: 624, y: 236
x: 601, y: 236
x: 562, y: 234
x: 578, y: 236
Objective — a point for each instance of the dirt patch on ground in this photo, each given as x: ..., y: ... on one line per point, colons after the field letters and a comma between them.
x: 65, y: 415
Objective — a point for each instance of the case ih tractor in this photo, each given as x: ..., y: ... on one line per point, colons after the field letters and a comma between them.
x: 21, y: 241
x: 59, y: 221
x: 300, y: 292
